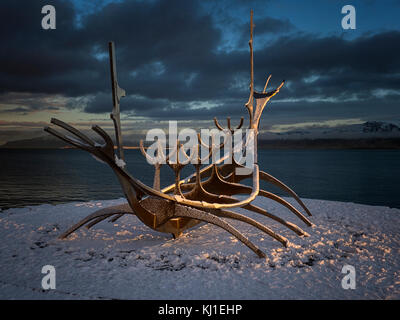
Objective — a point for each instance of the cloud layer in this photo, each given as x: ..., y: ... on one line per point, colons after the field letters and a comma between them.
x: 172, y: 63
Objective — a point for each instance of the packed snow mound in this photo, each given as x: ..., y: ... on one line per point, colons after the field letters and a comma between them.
x: 127, y: 260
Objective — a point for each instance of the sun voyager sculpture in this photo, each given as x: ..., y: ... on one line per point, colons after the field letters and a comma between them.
x: 205, y: 196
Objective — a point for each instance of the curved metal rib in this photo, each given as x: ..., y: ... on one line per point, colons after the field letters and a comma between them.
x: 183, y: 211
x: 120, y: 210
x: 74, y: 131
x: 117, y: 217
x: 282, y: 201
x: 228, y: 188
x: 287, y: 224
x: 237, y: 216
x: 228, y: 120
x: 276, y: 182
x: 268, y: 177
x: 106, y: 212
x: 98, y: 220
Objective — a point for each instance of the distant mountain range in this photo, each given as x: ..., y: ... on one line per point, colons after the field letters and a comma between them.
x: 371, y: 135
x: 369, y: 129
x: 377, y: 126
x: 45, y: 142
x: 331, y: 143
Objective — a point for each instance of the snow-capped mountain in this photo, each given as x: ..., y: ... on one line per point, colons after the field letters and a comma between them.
x: 378, y: 126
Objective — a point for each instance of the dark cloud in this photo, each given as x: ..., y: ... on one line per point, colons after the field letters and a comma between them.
x: 170, y: 65
x: 272, y: 25
x: 102, y: 103
x: 265, y: 26
x: 37, y: 60
x: 26, y: 102
x: 343, y: 67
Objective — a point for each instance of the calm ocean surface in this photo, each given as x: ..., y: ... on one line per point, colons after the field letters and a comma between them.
x: 31, y: 177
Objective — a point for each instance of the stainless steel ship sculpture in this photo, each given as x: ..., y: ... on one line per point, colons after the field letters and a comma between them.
x: 205, y: 196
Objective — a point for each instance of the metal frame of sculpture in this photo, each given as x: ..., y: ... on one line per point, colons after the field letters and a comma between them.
x: 190, y: 201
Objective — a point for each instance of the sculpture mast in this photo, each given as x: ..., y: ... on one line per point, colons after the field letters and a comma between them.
x: 117, y: 94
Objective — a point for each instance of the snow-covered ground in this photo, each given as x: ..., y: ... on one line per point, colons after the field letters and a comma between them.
x: 127, y: 260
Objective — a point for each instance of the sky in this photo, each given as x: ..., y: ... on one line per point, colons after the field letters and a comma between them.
x: 188, y: 61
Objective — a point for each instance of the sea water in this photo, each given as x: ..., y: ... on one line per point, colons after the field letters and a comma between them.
x: 36, y: 176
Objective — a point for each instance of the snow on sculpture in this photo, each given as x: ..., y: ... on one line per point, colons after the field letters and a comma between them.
x: 187, y: 202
